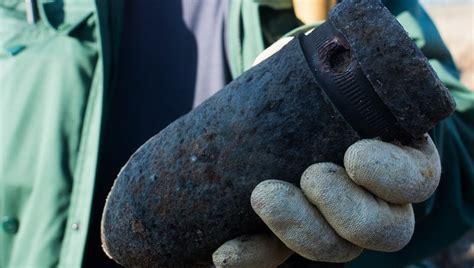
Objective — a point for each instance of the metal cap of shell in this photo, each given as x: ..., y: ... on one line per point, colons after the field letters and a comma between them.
x: 366, y: 24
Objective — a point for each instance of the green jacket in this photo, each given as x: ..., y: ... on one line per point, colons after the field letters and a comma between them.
x: 50, y: 131
x: 51, y: 125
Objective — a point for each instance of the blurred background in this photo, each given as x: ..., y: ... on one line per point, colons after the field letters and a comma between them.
x: 455, y: 21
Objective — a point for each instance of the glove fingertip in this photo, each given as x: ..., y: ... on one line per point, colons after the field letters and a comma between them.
x: 261, y: 250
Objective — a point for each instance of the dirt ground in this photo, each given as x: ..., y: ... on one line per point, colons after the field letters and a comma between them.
x: 456, y: 25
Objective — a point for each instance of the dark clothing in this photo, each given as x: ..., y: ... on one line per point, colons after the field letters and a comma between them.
x: 171, y: 58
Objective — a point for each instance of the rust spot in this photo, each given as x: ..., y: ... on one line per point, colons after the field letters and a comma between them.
x: 210, y: 136
x: 137, y: 227
x: 211, y: 175
x: 270, y: 106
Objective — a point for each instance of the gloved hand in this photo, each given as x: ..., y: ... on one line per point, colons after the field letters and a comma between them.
x: 340, y: 210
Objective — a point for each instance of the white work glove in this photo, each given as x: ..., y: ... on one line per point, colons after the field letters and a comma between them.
x: 339, y: 211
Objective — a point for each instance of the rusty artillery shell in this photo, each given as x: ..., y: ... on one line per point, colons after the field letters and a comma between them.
x: 187, y: 190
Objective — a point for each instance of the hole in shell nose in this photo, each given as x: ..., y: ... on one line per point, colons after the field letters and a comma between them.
x: 339, y: 59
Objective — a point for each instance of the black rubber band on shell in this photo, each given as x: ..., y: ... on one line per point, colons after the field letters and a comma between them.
x: 339, y: 74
